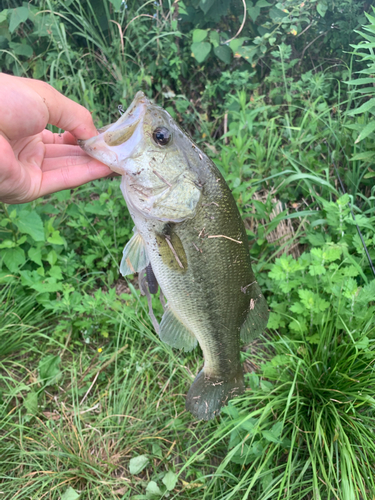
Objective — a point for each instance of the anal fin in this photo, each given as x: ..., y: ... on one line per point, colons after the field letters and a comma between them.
x: 175, y: 333
x: 257, y: 317
x: 134, y: 258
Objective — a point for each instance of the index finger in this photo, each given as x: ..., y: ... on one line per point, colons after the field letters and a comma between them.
x: 63, y: 112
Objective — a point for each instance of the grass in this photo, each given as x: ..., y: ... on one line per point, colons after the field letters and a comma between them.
x: 86, y: 385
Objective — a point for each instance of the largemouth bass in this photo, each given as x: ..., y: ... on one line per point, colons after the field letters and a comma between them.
x: 190, y: 234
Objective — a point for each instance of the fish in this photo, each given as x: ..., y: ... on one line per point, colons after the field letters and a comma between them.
x: 190, y: 237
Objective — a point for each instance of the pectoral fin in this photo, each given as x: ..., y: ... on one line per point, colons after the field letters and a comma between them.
x: 257, y: 316
x: 134, y: 258
x: 175, y: 333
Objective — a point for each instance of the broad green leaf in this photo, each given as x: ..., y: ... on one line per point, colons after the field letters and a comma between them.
x: 362, y: 109
x: 367, y: 130
x: 270, y: 437
x: 35, y: 254
x: 3, y: 15
x: 52, y: 257
x: 116, y: 4
x: 56, y: 239
x: 47, y: 286
x: 21, y: 49
x: 214, y: 38
x: 253, y: 11
x: 248, y: 52
x: 224, y: 53
x: 266, y: 386
x: 49, y: 369
x: 157, y: 451
x: 8, y: 244
x: 31, y: 403
x: 322, y: 7
x: 70, y: 494
x: 18, y: 16
x: 200, y: 35
x: 206, y: 5
x: 137, y: 464
x: 153, y: 490
x: 30, y: 223
x: 200, y: 50
x: 13, y: 258
x: 55, y: 272
x: 237, y: 43
x: 253, y: 381
x: 170, y: 480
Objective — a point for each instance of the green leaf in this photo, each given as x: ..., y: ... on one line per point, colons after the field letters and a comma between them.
x: 270, y: 437
x: 362, y: 109
x: 200, y: 35
x: 137, y: 464
x: 248, y: 52
x: 49, y: 370
x: 237, y: 43
x: 322, y: 7
x: 30, y: 223
x: 8, y: 244
x: 253, y: 381
x: 35, y: 254
x: 21, y: 49
x: 266, y: 386
x: 153, y: 490
x: 200, y: 50
x: 31, y: 403
x: 55, y: 272
x: 13, y: 258
x: 116, y: 4
x: 70, y: 494
x: 3, y: 15
x: 367, y: 130
x: 365, y: 156
x: 56, y: 239
x: 206, y: 5
x: 157, y: 451
x: 224, y: 53
x: 170, y: 480
x: 253, y: 11
x: 18, y: 16
x: 214, y: 38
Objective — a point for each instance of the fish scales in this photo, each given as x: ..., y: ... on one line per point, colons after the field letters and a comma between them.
x: 189, y: 229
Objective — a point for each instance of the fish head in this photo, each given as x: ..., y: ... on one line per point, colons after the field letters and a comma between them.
x: 155, y: 158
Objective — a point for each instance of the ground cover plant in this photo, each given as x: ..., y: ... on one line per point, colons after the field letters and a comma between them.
x: 91, y: 402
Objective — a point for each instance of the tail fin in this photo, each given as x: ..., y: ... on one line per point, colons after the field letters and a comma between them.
x: 208, y: 394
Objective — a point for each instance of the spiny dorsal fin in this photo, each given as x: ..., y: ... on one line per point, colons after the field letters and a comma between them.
x: 134, y: 257
x: 175, y: 333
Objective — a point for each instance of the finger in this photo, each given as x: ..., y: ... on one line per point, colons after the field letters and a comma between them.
x: 28, y: 105
x: 49, y: 137
x: 63, y: 112
x: 71, y: 177
x: 57, y: 150
x: 64, y: 162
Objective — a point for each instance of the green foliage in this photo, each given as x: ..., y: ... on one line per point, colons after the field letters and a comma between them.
x: 91, y: 402
x: 311, y: 420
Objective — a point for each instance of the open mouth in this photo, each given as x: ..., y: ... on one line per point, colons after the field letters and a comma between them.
x: 116, y: 144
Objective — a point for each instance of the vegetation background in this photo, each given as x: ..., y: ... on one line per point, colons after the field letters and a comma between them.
x: 281, y: 95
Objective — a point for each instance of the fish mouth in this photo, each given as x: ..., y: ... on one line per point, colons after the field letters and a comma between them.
x: 116, y: 144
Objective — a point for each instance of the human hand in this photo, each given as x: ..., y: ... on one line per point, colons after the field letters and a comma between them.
x: 34, y: 161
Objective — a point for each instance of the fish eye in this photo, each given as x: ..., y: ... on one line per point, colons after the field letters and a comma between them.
x: 161, y: 136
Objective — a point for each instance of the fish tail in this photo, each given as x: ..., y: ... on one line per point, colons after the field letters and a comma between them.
x: 208, y: 393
